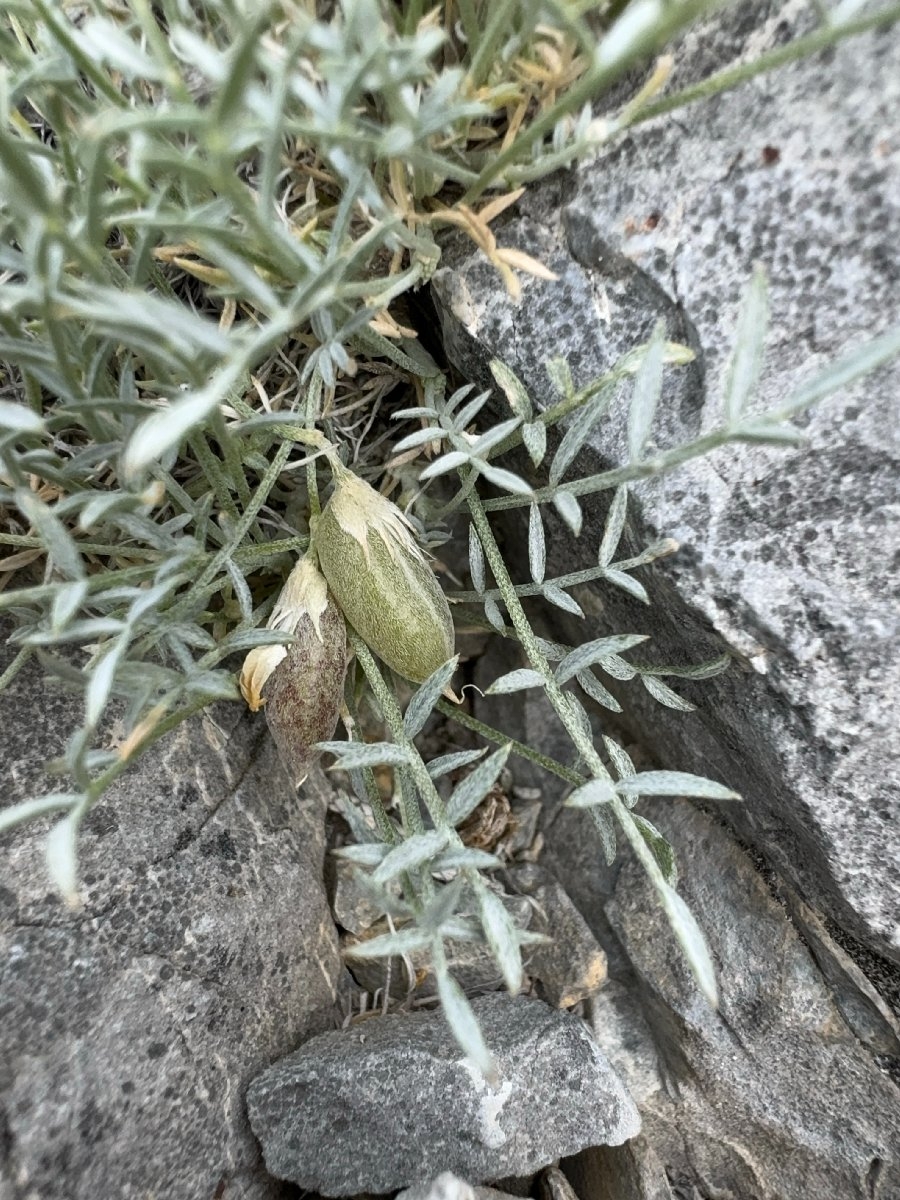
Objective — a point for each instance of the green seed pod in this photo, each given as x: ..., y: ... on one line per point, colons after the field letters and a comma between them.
x: 302, y: 684
x: 381, y: 579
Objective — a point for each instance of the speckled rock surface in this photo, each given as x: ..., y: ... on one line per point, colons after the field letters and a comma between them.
x: 773, y: 1097
x: 204, y: 950
x: 787, y: 557
x: 392, y: 1103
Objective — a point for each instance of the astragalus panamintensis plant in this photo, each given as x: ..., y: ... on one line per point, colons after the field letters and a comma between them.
x: 211, y: 219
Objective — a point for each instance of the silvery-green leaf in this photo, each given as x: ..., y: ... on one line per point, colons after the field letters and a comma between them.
x: 417, y: 850
x: 593, y: 652
x: 422, y: 411
x: 100, y: 684
x: 463, y: 1022
x: 537, y: 550
x: 67, y: 600
x: 846, y: 370
x: 693, y: 943
x: 469, y: 793
x: 595, y: 791
x: 515, y: 681
x: 369, y: 854
x: 704, y: 670
x: 419, y: 438
x: 660, y: 848
x: 493, y: 613
x: 675, y: 783
x: 458, y: 857
x: 504, y: 479
x: 582, y: 423
x: 534, y: 438
x: 365, y: 754
x: 560, y: 375
x: 386, y: 945
x: 606, y: 830
x: 627, y: 583
x: 476, y: 561
x: 562, y: 599
x: 467, y: 415
x: 502, y: 937
x: 16, y: 418
x: 62, y: 858
x: 749, y: 342
x: 426, y: 697
x: 440, y: 909
x: 166, y: 428
x: 647, y: 389
x: 447, y: 462
x: 487, y: 440
x: 450, y: 762
x: 569, y: 509
x: 764, y: 431
x: 29, y: 810
x: 241, y: 590
x: 613, y: 665
x: 595, y: 689
x: 57, y: 541
x: 619, y: 758
x: 615, y: 523
x: 664, y: 694
x: 513, y: 388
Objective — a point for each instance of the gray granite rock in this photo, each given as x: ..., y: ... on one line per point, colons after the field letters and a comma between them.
x: 773, y: 1096
x: 204, y: 949
x: 392, y: 1102
x: 787, y: 556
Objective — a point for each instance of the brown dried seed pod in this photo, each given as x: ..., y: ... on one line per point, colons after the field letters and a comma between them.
x: 302, y: 684
x: 382, y: 580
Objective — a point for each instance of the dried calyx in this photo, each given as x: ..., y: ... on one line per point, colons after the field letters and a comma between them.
x: 381, y: 579
x: 301, y: 684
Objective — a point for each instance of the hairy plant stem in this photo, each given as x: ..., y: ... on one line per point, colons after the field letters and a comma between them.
x: 501, y: 739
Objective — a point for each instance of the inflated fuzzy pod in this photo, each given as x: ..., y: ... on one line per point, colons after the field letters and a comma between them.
x: 301, y: 685
x: 381, y: 579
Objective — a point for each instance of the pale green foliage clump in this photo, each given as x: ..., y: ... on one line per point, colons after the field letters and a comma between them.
x: 212, y: 218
